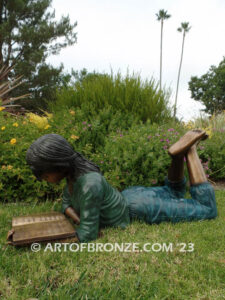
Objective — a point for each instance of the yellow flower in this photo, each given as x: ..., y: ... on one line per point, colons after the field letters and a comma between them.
x: 15, y: 124
x: 24, y: 122
x: 40, y: 122
x: 208, y: 131
x: 9, y: 167
x: 74, y: 137
x: 13, y: 141
x: 3, y: 167
x: 47, y: 126
x: 72, y: 112
x: 2, y: 108
x: 189, y: 125
x: 3, y: 128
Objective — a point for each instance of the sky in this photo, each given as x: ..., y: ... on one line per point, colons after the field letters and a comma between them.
x: 125, y: 35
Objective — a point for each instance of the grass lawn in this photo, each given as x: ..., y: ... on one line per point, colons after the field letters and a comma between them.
x: 199, y: 274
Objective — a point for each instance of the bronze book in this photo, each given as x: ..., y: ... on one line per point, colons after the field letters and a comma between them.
x: 45, y: 226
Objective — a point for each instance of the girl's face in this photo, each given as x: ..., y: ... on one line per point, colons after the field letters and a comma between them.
x: 53, y: 177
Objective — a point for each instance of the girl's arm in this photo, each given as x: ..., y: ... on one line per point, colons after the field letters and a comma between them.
x: 70, y: 212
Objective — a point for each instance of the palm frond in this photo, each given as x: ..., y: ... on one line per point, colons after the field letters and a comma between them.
x: 184, y: 27
x: 6, y: 85
x: 162, y: 15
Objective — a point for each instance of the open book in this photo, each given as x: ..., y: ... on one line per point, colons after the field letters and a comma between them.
x: 45, y: 226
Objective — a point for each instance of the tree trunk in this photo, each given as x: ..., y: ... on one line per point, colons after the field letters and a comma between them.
x: 1, y: 38
x: 160, y: 82
x: 178, y: 79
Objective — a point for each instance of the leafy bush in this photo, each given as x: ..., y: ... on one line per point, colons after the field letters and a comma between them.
x: 91, y: 130
x: 128, y: 153
x: 16, y: 179
x: 87, y: 136
x: 128, y: 95
x: 213, y: 152
x: 138, y: 156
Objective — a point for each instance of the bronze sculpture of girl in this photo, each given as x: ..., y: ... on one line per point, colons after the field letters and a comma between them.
x: 93, y: 203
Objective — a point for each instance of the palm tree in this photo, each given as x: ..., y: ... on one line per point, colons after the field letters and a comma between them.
x: 184, y: 28
x: 161, y: 16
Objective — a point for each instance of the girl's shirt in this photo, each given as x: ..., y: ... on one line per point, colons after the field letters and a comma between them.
x: 98, y: 203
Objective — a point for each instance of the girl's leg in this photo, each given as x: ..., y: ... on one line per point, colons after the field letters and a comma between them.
x: 175, y: 179
x: 203, y: 204
x: 176, y: 170
x: 179, y: 149
x: 201, y: 190
x: 167, y: 203
x: 195, y: 169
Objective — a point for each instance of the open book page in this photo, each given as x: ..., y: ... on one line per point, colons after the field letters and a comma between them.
x: 38, y: 218
x: 38, y: 227
x: 43, y: 231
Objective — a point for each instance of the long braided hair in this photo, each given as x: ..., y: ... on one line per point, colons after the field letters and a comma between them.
x: 52, y: 153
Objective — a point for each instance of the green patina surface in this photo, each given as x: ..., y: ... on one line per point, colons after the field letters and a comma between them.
x: 101, y: 205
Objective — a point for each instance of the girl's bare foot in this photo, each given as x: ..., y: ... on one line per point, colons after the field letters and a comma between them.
x: 186, y: 141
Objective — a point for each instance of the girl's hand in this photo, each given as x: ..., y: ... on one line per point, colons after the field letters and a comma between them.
x: 10, y: 234
x: 70, y: 212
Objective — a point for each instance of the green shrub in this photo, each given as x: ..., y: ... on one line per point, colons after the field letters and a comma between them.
x: 129, y: 153
x: 92, y: 130
x: 17, y: 182
x: 128, y: 95
x: 87, y: 136
x: 138, y: 156
x: 212, y: 154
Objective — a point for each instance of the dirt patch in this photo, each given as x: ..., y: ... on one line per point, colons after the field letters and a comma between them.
x: 219, y: 185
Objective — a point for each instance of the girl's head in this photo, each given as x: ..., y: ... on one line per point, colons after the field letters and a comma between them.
x: 52, y: 154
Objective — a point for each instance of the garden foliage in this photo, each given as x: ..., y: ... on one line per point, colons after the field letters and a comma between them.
x: 129, y: 152
x: 209, y: 89
x: 29, y: 33
x: 128, y: 95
